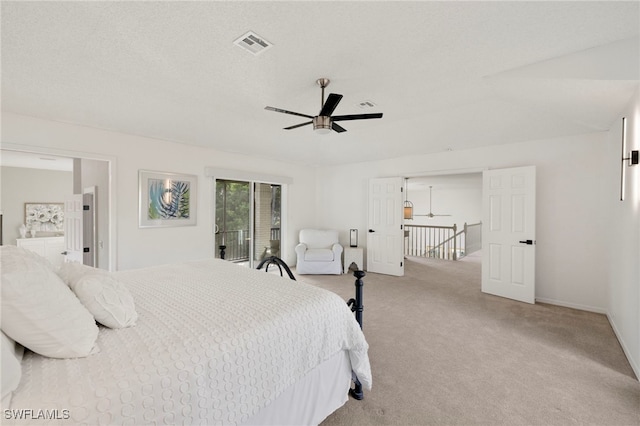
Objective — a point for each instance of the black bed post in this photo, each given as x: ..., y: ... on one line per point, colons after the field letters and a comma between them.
x: 222, y: 251
x: 358, y: 308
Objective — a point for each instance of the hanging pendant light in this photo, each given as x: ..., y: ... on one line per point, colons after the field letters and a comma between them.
x: 408, y: 205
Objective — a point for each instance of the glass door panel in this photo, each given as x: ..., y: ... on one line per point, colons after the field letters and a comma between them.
x: 233, y: 216
x: 266, y: 220
x: 248, y: 220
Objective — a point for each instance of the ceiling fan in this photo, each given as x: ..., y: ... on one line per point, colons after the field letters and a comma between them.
x: 430, y: 215
x: 324, y: 122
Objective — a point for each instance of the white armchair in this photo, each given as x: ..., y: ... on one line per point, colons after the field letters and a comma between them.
x: 319, y: 252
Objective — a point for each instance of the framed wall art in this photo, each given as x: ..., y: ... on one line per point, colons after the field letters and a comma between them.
x: 44, y: 216
x: 166, y: 199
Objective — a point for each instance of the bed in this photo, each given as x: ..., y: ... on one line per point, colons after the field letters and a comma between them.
x: 212, y: 343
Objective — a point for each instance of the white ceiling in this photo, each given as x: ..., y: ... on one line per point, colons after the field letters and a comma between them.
x: 446, y: 75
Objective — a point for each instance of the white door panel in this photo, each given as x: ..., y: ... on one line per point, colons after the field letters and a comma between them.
x: 73, y: 229
x: 385, y: 253
x: 89, y: 227
x: 508, y: 260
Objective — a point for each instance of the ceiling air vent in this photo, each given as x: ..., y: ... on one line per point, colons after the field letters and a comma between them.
x: 366, y: 104
x: 253, y: 43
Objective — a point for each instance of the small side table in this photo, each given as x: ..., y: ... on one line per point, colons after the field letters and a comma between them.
x: 352, y: 255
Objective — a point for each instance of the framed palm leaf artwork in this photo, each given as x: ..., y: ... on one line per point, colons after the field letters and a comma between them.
x: 167, y: 199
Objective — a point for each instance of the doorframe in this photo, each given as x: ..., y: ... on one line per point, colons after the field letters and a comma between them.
x: 112, y: 167
x: 444, y: 172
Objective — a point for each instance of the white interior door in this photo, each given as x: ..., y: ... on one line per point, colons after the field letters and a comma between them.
x: 508, y: 233
x: 385, y: 254
x: 73, y: 230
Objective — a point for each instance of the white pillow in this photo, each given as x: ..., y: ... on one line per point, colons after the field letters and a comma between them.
x: 11, y: 368
x: 71, y: 272
x: 103, y: 295
x: 39, y: 311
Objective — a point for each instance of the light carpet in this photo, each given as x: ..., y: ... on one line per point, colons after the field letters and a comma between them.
x: 443, y: 352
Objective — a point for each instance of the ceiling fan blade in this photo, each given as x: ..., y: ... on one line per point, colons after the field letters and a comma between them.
x: 356, y: 117
x: 287, y: 112
x: 338, y: 128
x: 298, y: 125
x: 330, y: 105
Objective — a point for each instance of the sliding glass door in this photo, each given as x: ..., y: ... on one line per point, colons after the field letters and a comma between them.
x: 266, y: 220
x: 247, y: 220
x: 233, y: 216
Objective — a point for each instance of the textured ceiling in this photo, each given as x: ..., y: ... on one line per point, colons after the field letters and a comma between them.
x: 446, y: 75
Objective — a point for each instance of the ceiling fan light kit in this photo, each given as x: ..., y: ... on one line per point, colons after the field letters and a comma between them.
x: 324, y: 123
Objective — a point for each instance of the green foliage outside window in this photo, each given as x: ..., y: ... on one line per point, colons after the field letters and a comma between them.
x: 232, y: 205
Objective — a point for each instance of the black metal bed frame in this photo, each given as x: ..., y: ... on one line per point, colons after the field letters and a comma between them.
x: 273, y: 260
x: 355, y: 303
x: 357, y: 307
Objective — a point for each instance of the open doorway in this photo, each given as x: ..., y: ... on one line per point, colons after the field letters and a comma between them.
x: 51, y: 176
x: 445, y: 217
x: 506, y: 202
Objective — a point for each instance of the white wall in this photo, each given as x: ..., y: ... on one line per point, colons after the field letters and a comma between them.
x: 622, y: 254
x: 570, y: 217
x: 457, y: 196
x: 143, y: 247
x: 22, y: 185
x: 578, y: 264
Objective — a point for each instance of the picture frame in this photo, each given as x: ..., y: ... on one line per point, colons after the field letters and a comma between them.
x: 166, y: 199
x: 44, y: 217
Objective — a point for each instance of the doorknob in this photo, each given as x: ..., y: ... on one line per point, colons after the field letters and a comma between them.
x: 64, y: 253
x: 528, y: 242
x: 371, y: 230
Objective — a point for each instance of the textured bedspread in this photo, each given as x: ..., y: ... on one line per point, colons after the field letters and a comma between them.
x: 214, y: 343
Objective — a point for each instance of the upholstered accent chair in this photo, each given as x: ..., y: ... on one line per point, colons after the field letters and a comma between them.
x: 319, y: 252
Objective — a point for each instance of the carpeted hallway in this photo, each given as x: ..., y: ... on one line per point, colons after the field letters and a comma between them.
x: 442, y: 352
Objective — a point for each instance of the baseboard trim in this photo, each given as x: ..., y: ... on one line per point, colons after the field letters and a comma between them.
x: 634, y: 366
x: 572, y: 305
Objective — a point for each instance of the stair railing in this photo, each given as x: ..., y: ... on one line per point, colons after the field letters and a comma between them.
x: 442, y: 242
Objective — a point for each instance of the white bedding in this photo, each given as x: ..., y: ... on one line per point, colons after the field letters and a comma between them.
x: 215, y: 343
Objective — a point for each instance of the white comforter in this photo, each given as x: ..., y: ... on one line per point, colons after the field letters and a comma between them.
x: 215, y: 343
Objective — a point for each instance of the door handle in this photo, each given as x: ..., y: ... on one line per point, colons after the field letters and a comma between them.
x: 528, y: 242
x: 64, y: 253
x: 371, y: 230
